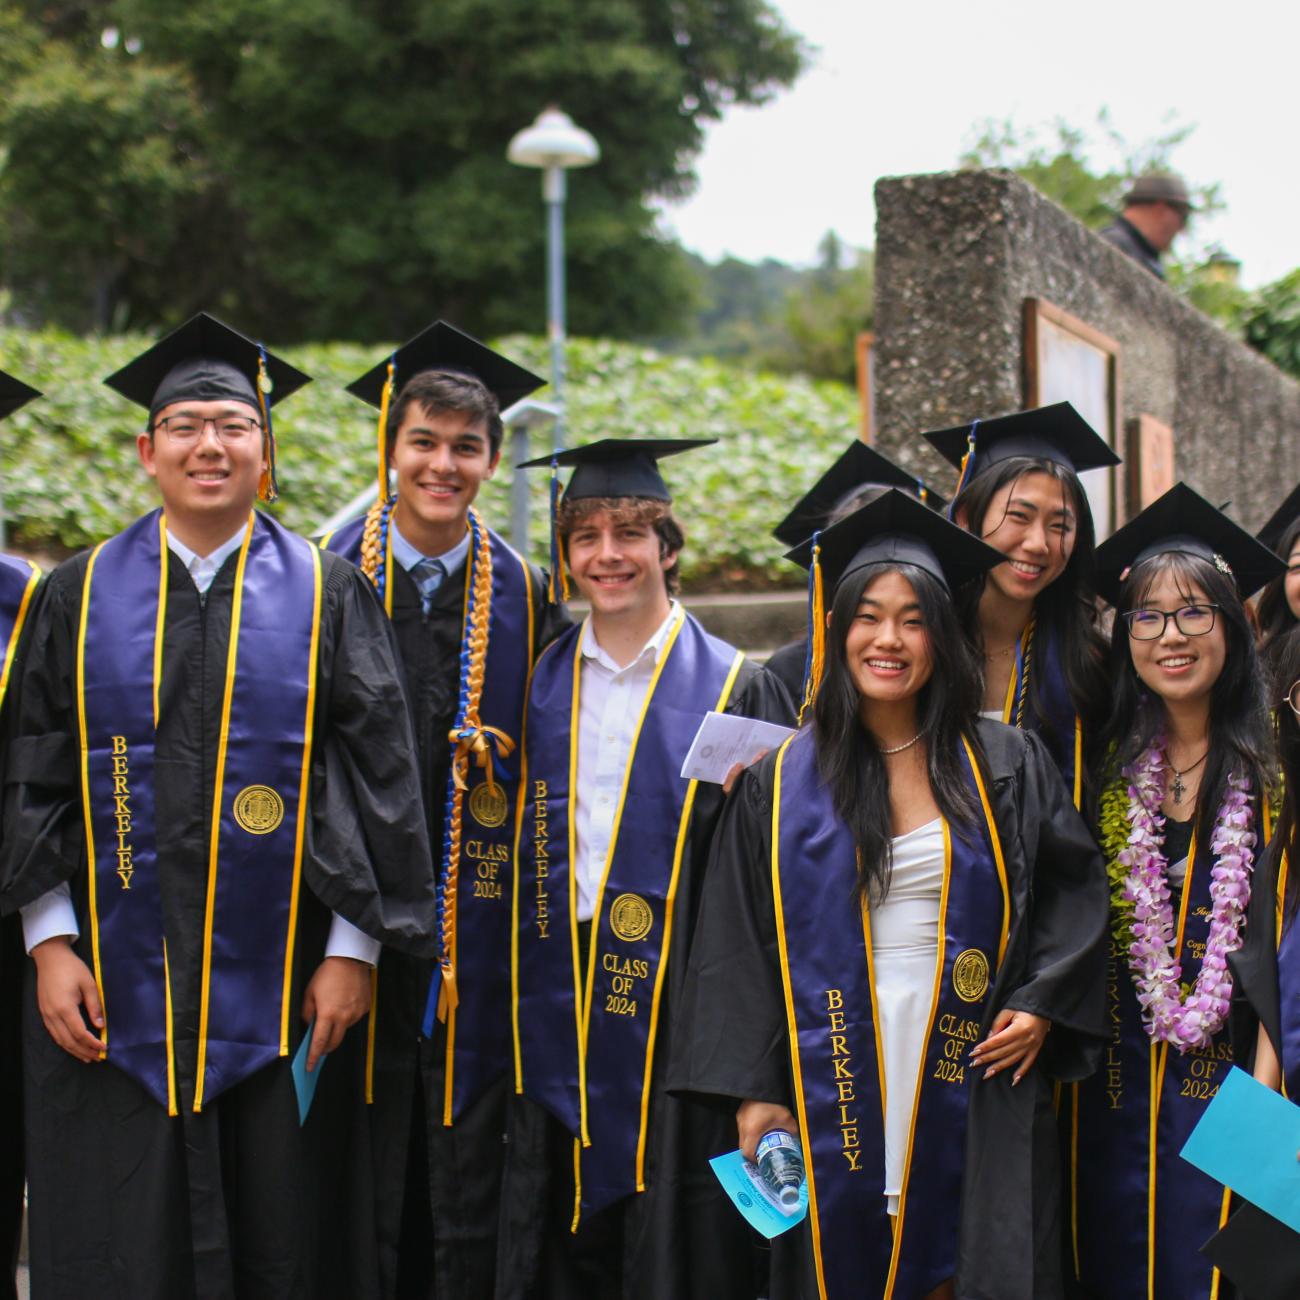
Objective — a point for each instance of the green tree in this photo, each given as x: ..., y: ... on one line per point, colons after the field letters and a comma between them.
x: 351, y: 168
x: 1271, y: 322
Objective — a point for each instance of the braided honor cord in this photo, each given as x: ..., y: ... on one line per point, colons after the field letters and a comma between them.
x: 1026, y: 654
x: 470, y: 739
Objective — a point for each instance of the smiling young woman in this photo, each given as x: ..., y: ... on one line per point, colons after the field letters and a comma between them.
x: 1183, y: 813
x: 868, y: 895
x: 1034, y: 615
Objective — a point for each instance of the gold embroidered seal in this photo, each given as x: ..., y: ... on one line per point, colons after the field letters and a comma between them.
x: 487, y: 804
x: 630, y: 917
x: 258, y: 809
x: 970, y: 975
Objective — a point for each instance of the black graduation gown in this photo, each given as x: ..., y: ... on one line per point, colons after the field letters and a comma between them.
x: 679, y: 1239
x: 125, y: 1201
x: 437, y: 1188
x: 13, y: 960
x: 786, y: 665
x: 732, y: 1041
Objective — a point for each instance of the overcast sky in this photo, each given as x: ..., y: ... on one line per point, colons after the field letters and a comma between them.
x: 898, y: 88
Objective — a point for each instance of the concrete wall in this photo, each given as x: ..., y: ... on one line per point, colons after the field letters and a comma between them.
x: 957, y: 254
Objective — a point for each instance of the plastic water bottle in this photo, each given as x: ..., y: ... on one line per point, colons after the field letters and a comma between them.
x: 780, y: 1161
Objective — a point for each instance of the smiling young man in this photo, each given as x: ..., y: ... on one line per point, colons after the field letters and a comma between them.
x: 211, y: 825
x: 608, y: 1192
x: 442, y: 1044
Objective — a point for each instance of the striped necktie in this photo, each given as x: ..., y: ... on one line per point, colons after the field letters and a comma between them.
x: 428, y: 575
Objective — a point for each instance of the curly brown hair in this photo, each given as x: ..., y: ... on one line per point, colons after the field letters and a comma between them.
x: 630, y: 510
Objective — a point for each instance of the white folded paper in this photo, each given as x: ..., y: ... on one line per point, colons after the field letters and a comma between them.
x: 723, y: 741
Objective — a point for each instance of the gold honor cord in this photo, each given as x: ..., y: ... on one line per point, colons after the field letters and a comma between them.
x: 669, y: 902
x: 584, y: 1005
x: 787, y: 989
x: 309, y: 733
x: 32, y: 582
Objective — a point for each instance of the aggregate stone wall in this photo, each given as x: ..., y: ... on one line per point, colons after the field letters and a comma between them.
x: 958, y: 253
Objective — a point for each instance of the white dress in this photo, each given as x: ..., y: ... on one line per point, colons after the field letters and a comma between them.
x: 905, y: 945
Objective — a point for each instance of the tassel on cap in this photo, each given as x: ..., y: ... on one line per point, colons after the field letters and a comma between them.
x: 967, y: 471
x: 815, y: 661
x: 268, y: 489
x: 558, y: 588
x: 385, y: 397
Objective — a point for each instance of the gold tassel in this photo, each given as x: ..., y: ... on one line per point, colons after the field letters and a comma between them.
x: 816, y: 633
x: 384, y: 400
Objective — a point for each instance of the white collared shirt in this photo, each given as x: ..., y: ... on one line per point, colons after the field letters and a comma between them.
x: 53, y: 914
x: 408, y: 557
x: 204, y: 568
x: 610, y: 700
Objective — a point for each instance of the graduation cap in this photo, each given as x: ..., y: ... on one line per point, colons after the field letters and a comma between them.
x: 1184, y: 521
x: 895, y: 528
x: 1280, y: 521
x: 1057, y: 433
x: 440, y: 347
x: 14, y: 393
x: 1259, y: 1254
x: 859, y: 466
x: 609, y: 467
x: 207, y: 361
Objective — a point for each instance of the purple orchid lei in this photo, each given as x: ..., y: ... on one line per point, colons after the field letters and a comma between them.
x: 1165, y: 1014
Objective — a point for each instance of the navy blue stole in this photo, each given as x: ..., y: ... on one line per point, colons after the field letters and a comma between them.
x: 259, y: 803
x: 477, y: 1048
x: 827, y: 971
x: 585, y: 1050
x: 18, y: 581
x: 1139, y: 1211
x: 1038, y: 677
x: 1288, y: 981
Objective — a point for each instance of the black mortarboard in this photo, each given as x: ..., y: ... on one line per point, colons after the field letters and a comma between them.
x: 618, y: 467
x: 13, y: 394
x: 207, y: 361
x: 1183, y: 520
x: 444, y: 347
x: 859, y: 466
x: 1280, y: 521
x: 1056, y: 433
x: 609, y: 467
x: 1258, y: 1254
x: 896, y: 527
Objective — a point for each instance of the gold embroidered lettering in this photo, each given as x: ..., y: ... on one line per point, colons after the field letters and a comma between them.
x: 122, y: 810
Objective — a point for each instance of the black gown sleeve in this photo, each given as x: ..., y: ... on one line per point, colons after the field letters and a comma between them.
x: 551, y: 617
x: 761, y: 694
x: 1255, y: 995
x: 730, y: 1039
x: 44, y: 838
x: 367, y: 848
x: 1068, y: 917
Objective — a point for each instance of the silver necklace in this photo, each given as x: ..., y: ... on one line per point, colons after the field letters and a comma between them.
x: 1178, y: 787
x: 898, y: 749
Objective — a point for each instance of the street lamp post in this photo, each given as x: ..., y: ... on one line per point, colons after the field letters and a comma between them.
x: 554, y: 143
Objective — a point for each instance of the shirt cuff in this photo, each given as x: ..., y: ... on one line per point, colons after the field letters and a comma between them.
x: 347, y: 941
x: 50, y: 915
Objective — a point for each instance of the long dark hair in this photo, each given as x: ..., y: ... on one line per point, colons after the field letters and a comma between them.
x: 1066, y: 612
x: 1272, y: 612
x: 1286, y: 833
x: 1240, y: 738
x: 848, y: 757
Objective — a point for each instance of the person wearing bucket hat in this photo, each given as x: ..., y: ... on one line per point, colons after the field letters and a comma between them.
x: 906, y: 901
x: 211, y: 825
x: 1156, y: 208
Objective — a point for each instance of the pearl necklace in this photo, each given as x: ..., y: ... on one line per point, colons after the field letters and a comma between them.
x: 898, y: 749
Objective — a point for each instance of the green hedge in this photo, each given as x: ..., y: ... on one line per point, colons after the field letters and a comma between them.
x: 71, y: 477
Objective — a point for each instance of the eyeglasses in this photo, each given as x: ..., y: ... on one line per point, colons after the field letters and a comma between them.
x: 230, y: 429
x: 1150, y: 624
x: 1293, y: 698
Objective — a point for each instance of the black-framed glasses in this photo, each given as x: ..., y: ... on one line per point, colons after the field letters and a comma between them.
x: 1150, y: 624
x: 230, y: 429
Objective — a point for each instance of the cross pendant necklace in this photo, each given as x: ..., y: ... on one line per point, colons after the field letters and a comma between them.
x: 1179, y: 789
